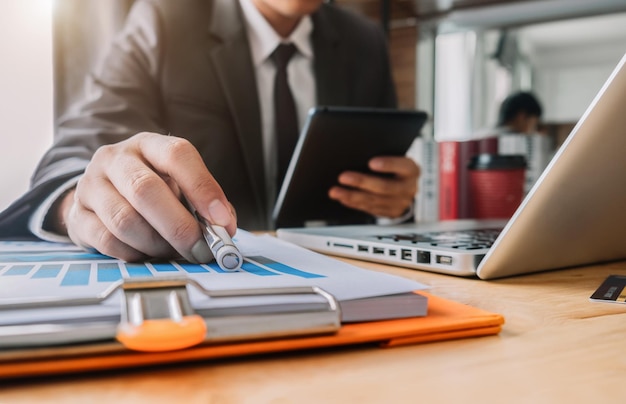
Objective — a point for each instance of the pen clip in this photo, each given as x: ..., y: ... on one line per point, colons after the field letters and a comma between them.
x: 214, y: 237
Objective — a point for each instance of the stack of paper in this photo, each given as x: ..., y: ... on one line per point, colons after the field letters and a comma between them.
x: 36, y: 278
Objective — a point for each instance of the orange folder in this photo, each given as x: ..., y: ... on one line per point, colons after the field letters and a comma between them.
x: 445, y: 320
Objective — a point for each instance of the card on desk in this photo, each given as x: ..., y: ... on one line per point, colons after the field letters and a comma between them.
x: 611, y: 290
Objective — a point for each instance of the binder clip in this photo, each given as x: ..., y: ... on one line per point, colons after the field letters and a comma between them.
x: 157, y: 315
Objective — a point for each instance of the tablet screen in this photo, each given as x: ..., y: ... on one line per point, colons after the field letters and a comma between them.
x: 334, y: 140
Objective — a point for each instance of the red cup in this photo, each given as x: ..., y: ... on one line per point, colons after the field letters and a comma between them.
x: 496, y: 185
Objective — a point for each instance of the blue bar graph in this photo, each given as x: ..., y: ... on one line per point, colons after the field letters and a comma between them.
x: 77, y: 275
x: 19, y: 270
x: 48, y: 271
x: 215, y: 267
x: 137, y: 270
x: 109, y: 272
x: 257, y: 270
x: 165, y: 267
x: 285, y: 269
x: 60, y: 256
x: 192, y: 268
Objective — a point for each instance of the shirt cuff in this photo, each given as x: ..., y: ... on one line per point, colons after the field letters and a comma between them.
x: 37, y: 219
x: 388, y: 221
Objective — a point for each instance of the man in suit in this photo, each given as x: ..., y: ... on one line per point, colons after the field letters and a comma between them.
x: 199, y: 70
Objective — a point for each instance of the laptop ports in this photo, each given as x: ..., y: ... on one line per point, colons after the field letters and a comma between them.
x: 378, y: 250
x: 423, y: 257
x: 406, y: 254
x: 444, y: 259
x: 341, y: 245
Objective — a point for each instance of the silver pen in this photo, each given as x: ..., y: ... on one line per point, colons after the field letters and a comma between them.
x: 224, y: 250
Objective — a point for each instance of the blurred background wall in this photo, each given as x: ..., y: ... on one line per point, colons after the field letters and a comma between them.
x: 26, y: 113
x: 47, y: 48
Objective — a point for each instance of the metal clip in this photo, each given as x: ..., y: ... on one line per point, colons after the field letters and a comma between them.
x: 157, y: 316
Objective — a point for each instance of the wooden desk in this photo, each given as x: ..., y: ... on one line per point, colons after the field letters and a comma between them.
x: 556, y: 347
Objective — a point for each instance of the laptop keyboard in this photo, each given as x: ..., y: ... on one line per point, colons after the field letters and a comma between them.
x: 463, y: 240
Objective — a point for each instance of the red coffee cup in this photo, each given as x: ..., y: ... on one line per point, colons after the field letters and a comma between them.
x: 496, y: 185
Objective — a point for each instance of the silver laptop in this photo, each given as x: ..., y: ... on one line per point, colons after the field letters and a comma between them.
x: 574, y: 215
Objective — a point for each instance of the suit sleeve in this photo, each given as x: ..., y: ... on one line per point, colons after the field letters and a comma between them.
x: 122, y: 99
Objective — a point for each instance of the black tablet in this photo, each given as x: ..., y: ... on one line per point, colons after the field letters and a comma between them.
x: 334, y: 140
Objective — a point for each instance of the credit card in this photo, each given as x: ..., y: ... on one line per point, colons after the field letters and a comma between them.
x: 611, y: 290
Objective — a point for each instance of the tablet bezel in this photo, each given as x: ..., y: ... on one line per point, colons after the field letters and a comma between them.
x: 333, y: 140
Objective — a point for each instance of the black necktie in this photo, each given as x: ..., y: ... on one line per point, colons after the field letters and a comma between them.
x: 285, y: 115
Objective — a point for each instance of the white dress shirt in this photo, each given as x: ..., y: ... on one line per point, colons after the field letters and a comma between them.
x: 301, y: 76
x: 263, y: 41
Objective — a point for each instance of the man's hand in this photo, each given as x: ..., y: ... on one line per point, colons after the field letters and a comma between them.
x: 379, y: 195
x: 128, y: 202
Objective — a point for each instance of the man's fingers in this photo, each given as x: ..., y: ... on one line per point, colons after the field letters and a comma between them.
x: 378, y: 185
x: 128, y: 202
x: 178, y: 159
x: 383, y: 196
x: 398, y: 166
x: 143, y: 208
x: 376, y: 205
x: 91, y: 233
x: 147, y: 194
x: 401, y: 184
x: 120, y: 218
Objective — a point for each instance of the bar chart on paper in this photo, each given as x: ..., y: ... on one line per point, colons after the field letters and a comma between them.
x: 29, y: 265
x: 43, y: 278
x: 77, y: 268
x: 40, y: 271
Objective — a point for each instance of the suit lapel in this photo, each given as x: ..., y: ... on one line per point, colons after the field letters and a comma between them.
x: 230, y: 55
x: 232, y: 61
x: 330, y: 63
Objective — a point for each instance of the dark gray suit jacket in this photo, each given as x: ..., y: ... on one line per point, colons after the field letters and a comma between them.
x: 184, y: 67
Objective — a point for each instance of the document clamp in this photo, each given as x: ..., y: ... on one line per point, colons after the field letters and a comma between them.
x: 157, y: 315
